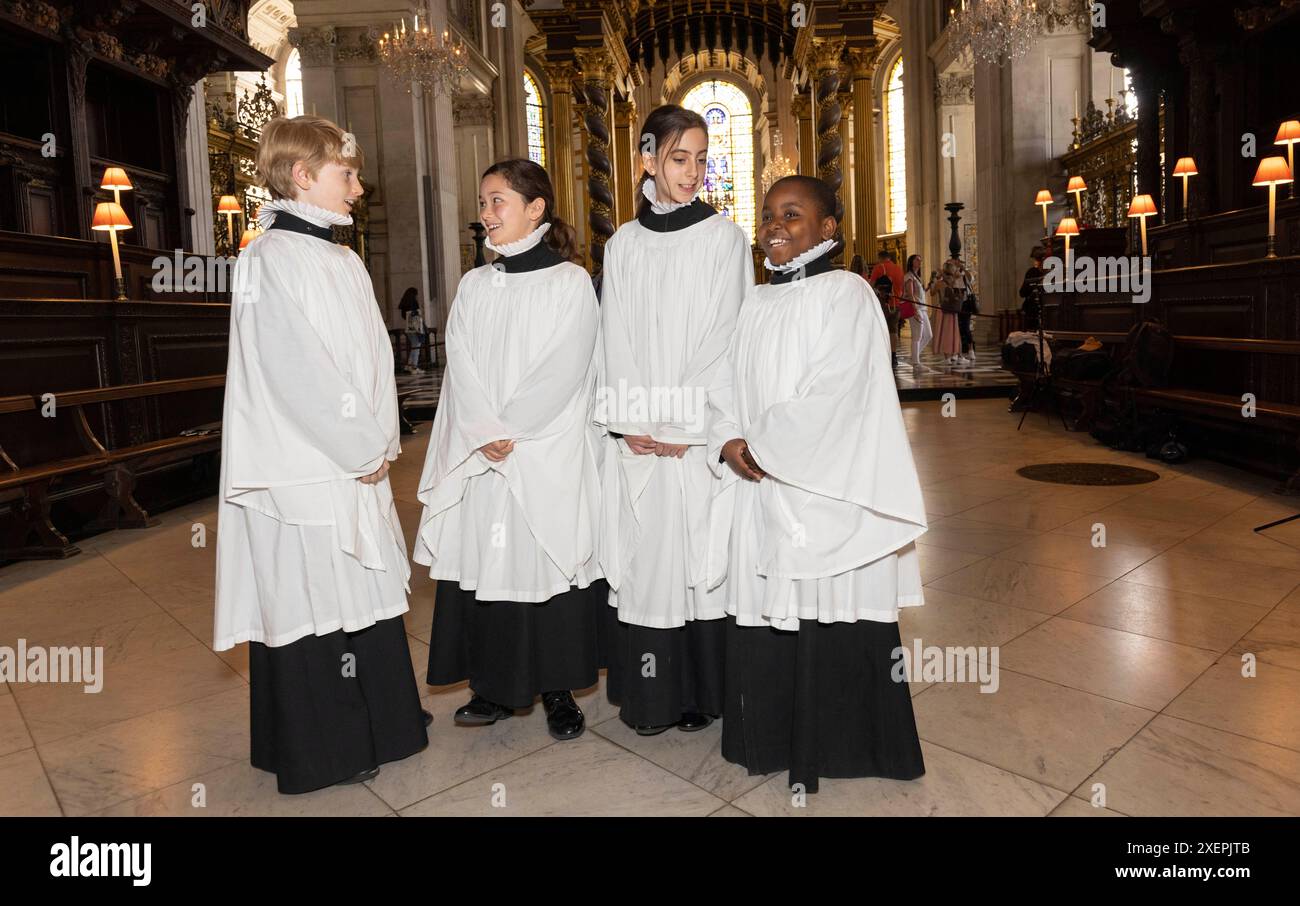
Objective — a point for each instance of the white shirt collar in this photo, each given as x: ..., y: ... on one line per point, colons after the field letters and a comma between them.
x: 801, y: 259
x: 659, y: 207
x: 308, y: 212
x: 519, y: 245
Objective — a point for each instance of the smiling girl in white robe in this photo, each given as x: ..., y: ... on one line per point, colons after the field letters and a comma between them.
x: 672, y: 283
x: 816, y: 515
x: 510, y: 485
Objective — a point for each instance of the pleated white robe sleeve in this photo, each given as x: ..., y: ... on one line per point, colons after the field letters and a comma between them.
x: 807, y: 383
x: 668, y: 308
x: 310, y: 407
x: 535, y: 390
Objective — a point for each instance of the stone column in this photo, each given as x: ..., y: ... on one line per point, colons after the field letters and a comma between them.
x: 862, y: 62
x: 319, y: 81
x: 472, y: 115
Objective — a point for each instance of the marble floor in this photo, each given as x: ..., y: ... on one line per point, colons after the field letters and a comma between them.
x: 1120, y: 667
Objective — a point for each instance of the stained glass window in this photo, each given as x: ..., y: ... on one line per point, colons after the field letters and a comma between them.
x: 536, y: 122
x: 729, y: 177
x: 895, y: 162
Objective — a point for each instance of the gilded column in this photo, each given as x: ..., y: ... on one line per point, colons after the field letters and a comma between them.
x: 862, y: 60
x: 801, y: 107
x: 624, y: 146
x: 561, y: 77
x: 848, y: 132
x: 826, y: 84
x: 596, y: 70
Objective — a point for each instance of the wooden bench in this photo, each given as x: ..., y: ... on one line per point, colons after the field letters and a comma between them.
x: 61, y: 421
x: 1214, y: 408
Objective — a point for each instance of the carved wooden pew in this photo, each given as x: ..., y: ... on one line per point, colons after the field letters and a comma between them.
x: 72, y: 448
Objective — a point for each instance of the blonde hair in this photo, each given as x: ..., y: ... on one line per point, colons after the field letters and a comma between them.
x: 313, y: 140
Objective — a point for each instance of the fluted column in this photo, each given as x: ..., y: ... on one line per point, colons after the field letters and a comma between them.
x: 862, y: 61
x: 624, y: 145
x: 596, y: 69
x: 561, y: 77
x: 802, y: 109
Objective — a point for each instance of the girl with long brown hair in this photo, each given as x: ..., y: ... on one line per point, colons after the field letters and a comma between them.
x: 673, y: 281
x: 510, y: 486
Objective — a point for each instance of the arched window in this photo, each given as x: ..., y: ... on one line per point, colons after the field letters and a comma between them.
x: 895, y: 162
x: 729, y: 179
x: 536, y: 120
x: 293, y: 84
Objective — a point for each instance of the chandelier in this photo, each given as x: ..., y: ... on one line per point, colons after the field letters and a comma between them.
x: 1000, y: 31
x: 778, y: 167
x: 419, y: 56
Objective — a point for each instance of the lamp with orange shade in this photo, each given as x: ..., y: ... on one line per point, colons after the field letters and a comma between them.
x: 246, y: 237
x: 1043, y: 200
x: 1272, y: 172
x: 115, y: 179
x: 229, y: 205
x: 110, y: 218
x: 1186, y: 169
x: 1077, y: 187
x: 1288, y: 134
x: 1142, y: 207
x: 1066, y: 228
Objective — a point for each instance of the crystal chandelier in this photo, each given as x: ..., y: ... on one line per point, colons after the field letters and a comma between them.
x: 778, y: 167
x: 419, y: 56
x: 1000, y: 31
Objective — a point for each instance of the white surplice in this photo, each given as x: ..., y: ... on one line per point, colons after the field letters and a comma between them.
x: 668, y: 307
x: 303, y: 547
x: 829, y: 534
x: 521, y: 365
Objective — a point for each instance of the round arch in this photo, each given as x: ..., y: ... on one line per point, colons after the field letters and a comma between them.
x: 730, y: 182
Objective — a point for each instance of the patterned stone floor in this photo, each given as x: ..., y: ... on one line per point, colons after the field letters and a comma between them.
x: 1120, y: 673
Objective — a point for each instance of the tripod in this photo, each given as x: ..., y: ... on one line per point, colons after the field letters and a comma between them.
x: 1042, y: 381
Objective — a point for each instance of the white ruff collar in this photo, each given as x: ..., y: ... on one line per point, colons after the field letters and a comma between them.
x: 519, y: 245
x: 659, y: 207
x: 801, y: 259
x: 308, y: 212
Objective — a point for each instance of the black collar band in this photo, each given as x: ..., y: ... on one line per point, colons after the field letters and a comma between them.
x: 819, y: 265
x: 286, y: 221
x: 679, y: 219
x: 537, y: 258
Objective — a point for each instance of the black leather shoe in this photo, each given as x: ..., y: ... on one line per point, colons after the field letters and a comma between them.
x: 361, y: 776
x: 480, y: 712
x: 564, y: 718
x: 649, y: 730
x: 428, y: 718
x: 692, y: 721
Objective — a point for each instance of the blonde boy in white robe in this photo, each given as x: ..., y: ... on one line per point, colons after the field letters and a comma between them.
x: 311, y: 562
